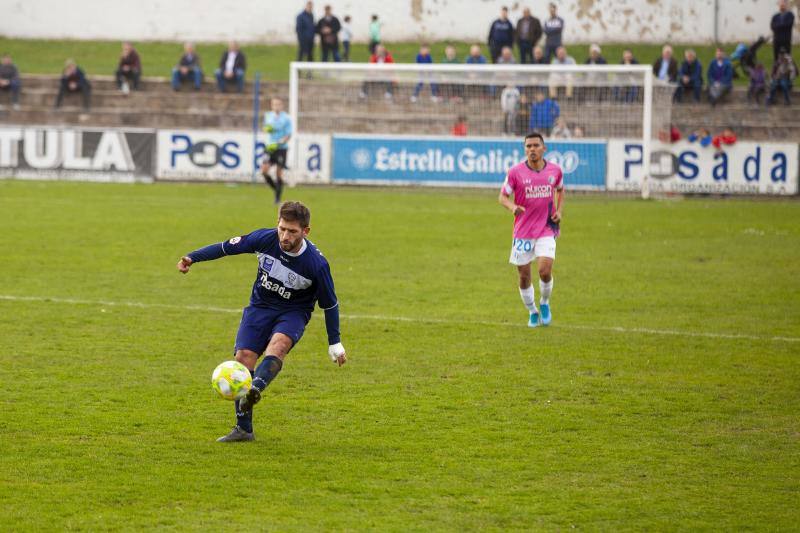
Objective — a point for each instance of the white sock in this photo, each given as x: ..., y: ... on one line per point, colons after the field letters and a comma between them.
x: 528, y: 298
x: 545, y: 289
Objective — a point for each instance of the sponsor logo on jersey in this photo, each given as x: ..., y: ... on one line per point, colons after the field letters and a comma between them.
x: 538, y: 191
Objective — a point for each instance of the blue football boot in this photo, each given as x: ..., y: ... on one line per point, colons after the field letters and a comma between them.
x: 533, y: 320
x: 546, y: 316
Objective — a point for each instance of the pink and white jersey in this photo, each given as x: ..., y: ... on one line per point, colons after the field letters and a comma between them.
x: 535, y: 191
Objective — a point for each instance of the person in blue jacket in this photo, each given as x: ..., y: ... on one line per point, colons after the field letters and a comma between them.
x: 306, y: 30
x: 720, y: 77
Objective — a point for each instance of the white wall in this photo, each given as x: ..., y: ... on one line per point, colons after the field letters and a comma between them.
x: 654, y: 21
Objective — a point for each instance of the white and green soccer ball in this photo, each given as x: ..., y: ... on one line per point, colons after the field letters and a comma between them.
x: 231, y: 380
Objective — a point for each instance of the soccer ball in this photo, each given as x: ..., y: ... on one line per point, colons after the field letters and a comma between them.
x: 231, y: 380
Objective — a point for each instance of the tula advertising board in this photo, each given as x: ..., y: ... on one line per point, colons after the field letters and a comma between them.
x: 684, y: 167
x: 86, y: 154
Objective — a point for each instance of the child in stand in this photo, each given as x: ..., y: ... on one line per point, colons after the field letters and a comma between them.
x: 347, y: 36
x: 459, y: 129
x: 758, y: 83
x: 374, y: 33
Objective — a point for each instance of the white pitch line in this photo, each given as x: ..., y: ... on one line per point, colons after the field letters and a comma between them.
x: 419, y: 320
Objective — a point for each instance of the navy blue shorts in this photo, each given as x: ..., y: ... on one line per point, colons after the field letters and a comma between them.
x: 259, y: 324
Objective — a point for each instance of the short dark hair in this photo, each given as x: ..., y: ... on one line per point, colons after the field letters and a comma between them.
x: 295, y: 212
x: 534, y: 135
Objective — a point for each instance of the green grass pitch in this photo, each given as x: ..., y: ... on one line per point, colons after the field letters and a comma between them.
x: 665, y: 396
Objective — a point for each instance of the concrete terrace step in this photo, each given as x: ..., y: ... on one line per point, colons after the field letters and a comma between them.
x: 74, y: 115
x: 150, y: 84
x: 338, y: 107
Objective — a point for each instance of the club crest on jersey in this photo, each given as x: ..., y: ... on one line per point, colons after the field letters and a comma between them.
x: 267, y: 264
x: 292, y: 278
x: 551, y: 180
x: 235, y: 240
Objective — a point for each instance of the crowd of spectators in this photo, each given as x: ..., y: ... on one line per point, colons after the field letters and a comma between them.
x: 536, y: 41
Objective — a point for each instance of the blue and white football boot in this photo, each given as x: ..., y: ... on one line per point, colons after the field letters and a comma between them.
x: 546, y: 316
x: 533, y: 320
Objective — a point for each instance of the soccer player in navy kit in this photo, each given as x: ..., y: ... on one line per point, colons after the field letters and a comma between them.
x: 292, y: 276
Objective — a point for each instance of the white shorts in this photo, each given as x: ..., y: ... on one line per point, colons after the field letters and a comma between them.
x: 524, y: 251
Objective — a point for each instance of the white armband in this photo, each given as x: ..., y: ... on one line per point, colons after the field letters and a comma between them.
x: 335, y: 351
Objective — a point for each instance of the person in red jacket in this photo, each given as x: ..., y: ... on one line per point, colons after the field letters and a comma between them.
x: 459, y: 129
x: 726, y: 137
x: 380, y: 56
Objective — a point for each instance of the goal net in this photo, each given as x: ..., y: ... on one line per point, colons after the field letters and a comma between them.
x: 462, y: 124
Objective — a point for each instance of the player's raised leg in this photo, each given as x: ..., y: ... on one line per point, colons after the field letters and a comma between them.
x: 527, y: 294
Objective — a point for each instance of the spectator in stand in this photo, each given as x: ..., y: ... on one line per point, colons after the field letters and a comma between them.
x: 328, y: 28
x: 509, y: 103
x: 232, y: 66
x: 726, y: 137
x: 782, y: 25
x: 703, y: 136
x: 129, y: 69
x: 544, y: 113
x: 690, y: 77
x: 758, y: 83
x: 475, y: 57
x: 523, y: 115
x: 529, y: 31
x: 720, y: 77
x: 538, y: 56
x: 347, y: 36
x: 188, y: 68
x: 784, y: 71
x: 424, y: 58
x: 452, y: 91
x: 9, y: 79
x: 501, y: 34
x: 306, y: 30
x: 380, y: 56
x: 559, y: 79
x: 629, y: 92
x: 73, y: 81
x: 736, y: 58
x: 506, y: 57
x: 561, y: 131
x: 577, y: 133
x: 459, y: 129
x: 595, y: 56
x: 553, y: 28
x: 666, y: 68
x: 669, y: 134
x: 374, y: 33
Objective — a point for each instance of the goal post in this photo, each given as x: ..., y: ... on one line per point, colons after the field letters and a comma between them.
x: 430, y: 105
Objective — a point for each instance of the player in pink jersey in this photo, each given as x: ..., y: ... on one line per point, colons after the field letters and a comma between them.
x: 537, y: 187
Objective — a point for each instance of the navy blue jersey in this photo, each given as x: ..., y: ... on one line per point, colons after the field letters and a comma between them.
x: 284, y: 281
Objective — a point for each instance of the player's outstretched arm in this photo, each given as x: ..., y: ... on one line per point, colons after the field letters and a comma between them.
x: 236, y: 245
